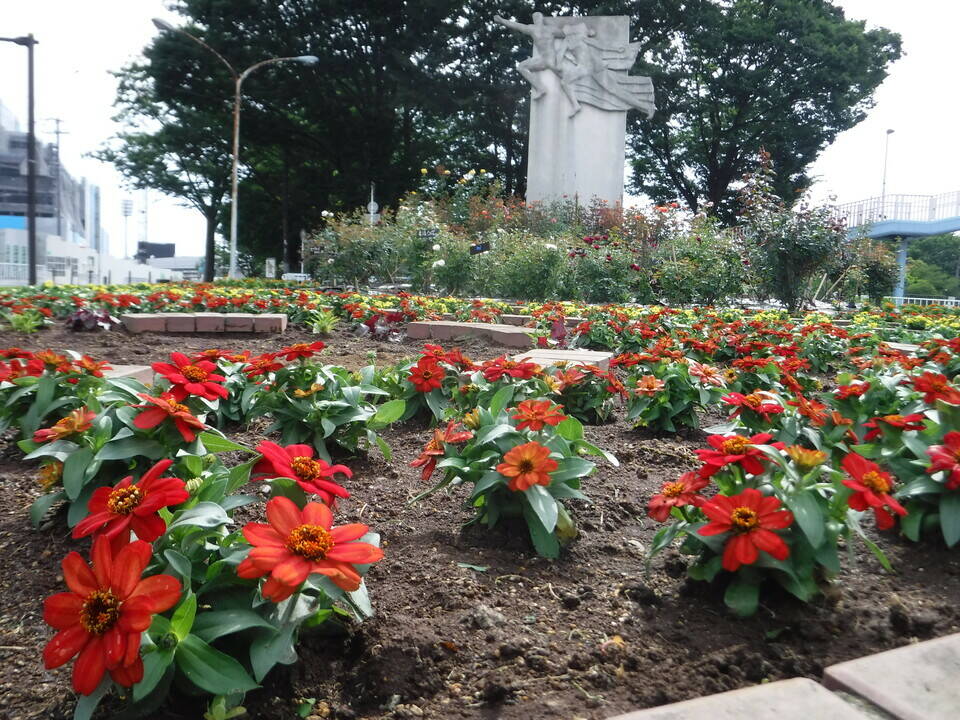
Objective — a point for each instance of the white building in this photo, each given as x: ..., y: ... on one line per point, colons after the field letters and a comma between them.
x: 72, y: 246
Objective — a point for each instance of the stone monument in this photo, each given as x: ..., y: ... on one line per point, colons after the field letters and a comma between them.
x: 580, y: 94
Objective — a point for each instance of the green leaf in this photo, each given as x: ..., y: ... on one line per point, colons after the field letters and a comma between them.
x: 437, y: 403
x: 155, y: 665
x: 922, y: 485
x: 950, y: 517
x: 271, y: 647
x: 130, y: 447
x: 74, y: 468
x: 570, y: 468
x: 59, y: 449
x: 210, y: 669
x: 489, y: 480
x: 475, y: 568
x: 180, y: 564
x: 218, y: 443
x: 390, y: 412
x: 86, y: 704
x: 543, y: 504
x: 562, y: 490
x: 183, y: 616
x: 42, y: 504
x: 239, y: 476
x: 204, y: 514
x: 209, y: 626
x: 806, y: 510
x: 501, y: 399
x: 570, y: 429
x: 544, y: 542
x: 490, y: 433
x: 911, y: 523
x: 742, y: 597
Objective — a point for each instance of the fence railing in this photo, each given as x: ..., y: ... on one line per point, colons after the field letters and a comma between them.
x: 921, y: 208
x: 946, y: 302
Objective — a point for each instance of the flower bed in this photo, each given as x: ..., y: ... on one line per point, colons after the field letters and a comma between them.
x: 800, y: 467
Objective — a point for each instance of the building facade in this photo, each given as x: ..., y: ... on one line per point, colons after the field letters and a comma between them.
x: 72, y: 246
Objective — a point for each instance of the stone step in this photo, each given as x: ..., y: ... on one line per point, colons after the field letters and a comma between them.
x: 916, y: 682
x: 508, y: 335
x: 204, y: 322
x: 524, y: 319
x: 796, y: 699
x: 907, y: 348
x: 143, y: 373
x: 546, y: 357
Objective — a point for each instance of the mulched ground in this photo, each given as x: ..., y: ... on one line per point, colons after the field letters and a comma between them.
x: 587, y: 636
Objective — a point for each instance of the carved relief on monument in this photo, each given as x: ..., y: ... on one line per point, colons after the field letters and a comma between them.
x: 591, y: 64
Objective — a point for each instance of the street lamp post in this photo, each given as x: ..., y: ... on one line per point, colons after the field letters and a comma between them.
x: 238, y: 79
x: 883, y: 190
x: 28, y: 42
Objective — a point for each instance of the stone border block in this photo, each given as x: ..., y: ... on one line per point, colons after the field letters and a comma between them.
x: 180, y: 322
x: 915, y: 682
x: 210, y: 322
x: 270, y: 323
x: 144, y: 322
x: 796, y: 699
x: 143, y: 373
x: 548, y: 356
x: 238, y: 322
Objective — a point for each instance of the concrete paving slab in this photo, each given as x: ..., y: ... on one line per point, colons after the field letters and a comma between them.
x: 796, y: 699
x: 572, y: 357
x: 143, y: 373
x: 916, y: 682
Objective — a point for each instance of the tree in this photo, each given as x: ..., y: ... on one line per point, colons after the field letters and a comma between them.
x: 732, y: 76
x: 942, y: 251
x: 180, y: 149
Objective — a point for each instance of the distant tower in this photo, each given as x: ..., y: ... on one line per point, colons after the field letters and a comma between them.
x: 126, y: 207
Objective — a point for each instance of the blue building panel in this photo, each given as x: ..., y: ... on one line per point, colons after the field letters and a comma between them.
x: 13, y: 222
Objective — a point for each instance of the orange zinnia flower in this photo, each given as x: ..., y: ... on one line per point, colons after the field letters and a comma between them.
x: 527, y: 465
x: 434, y: 448
x: 76, y: 422
x: 296, y: 543
x: 649, y: 385
x: 535, y: 414
x: 166, y: 406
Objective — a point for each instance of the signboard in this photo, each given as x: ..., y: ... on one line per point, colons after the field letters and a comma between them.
x: 428, y: 234
x: 481, y: 247
x: 270, y: 268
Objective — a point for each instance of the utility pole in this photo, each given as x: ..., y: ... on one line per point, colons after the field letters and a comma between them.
x: 58, y: 132
x: 126, y: 207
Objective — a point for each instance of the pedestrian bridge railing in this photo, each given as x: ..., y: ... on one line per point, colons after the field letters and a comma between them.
x: 918, y: 208
x: 946, y: 302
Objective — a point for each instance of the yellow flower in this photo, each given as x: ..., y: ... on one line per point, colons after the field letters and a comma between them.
x: 315, y: 388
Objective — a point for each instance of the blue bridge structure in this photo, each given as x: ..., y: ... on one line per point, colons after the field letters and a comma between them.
x: 901, y: 218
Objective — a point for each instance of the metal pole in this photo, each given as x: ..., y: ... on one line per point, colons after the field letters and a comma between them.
x: 233, y: 178
x: 31, y: 169
x: 883, y: 191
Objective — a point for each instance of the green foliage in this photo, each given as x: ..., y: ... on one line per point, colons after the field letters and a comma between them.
x: 25, y: 321
x: 734, y: 75
x: 933, y: 268
x: 787, y: 247
x: 702, y: 265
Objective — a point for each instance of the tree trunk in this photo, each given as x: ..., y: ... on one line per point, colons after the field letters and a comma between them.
x: 210, y: 245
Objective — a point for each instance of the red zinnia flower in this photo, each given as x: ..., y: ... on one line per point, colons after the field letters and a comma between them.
x: 296, y: 543
x: 427, y: 374
x: 186, y: 378
x: 105, y: 613
x: 262, y: 364
x: 815, y: 411
x: 751, y: 518
x: 535, y: 414
x: 296, y: 462
x: 852, y: 390
x: 871, y: 487
x: 755, y: 402
x: 133, y: 506
x: 936, y: 387
x: 166, y: 406
x: 946, y: 457
x: 434, y: 448
x: 301, y: 350
x: 677, y: 493
x: 495, y: 369
x: 77, y: 421
x: 706, y: 374
x: 903, y: 423
x: 527, y: 465
x: 728, y: 449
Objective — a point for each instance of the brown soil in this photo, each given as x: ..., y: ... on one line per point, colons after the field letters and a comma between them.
x: 587, y: 636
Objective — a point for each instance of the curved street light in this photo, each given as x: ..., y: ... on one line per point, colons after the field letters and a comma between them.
x: 238, y: 79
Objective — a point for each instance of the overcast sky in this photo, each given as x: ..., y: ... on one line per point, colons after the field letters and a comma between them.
x: 82, y: 40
